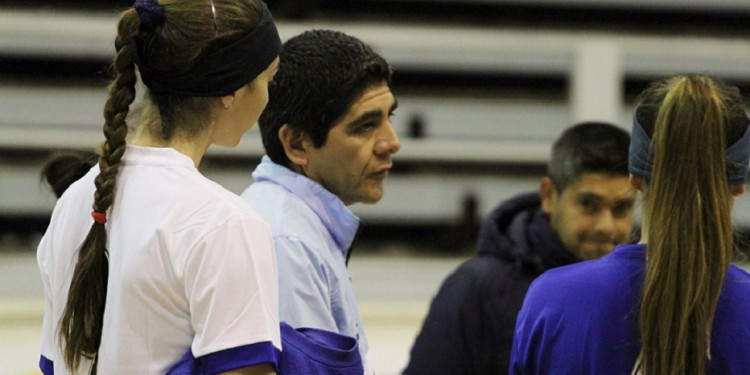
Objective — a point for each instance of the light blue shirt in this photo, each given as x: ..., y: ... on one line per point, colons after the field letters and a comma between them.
x: 313, y: 231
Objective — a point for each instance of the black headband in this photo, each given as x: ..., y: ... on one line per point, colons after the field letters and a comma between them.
x: 220, y: 72
x: 641, y: 159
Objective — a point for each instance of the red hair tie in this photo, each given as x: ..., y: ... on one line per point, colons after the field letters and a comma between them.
x: 99, y: 217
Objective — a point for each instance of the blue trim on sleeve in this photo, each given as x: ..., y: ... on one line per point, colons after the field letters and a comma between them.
x: 239, y: 357
x: 184, y: 366
x: 47, y: 366
x: 226, y: 360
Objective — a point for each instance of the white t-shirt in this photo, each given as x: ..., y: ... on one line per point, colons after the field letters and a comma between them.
x: 191, y: 270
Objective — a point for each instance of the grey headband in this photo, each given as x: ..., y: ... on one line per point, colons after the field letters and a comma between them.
x: 640, y: 161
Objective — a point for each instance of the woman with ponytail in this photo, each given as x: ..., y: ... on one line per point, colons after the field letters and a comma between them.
x: 146, y: 263
x: 671, y: 304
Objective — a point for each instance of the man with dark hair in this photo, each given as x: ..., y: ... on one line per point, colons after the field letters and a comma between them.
x: 328, y: 140
x: 583, y: 209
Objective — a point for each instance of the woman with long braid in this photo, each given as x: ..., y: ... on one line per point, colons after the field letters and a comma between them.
x: 671, y: 304
x: 167, y: 266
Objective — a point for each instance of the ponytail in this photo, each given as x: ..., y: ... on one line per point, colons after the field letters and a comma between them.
x: 82, y: 320
x: 687, y: 207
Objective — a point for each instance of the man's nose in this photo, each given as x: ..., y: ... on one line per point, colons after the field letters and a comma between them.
x: 605, y: 222
x: 388, y: 142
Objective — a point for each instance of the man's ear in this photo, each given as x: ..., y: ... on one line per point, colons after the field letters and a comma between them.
x: 636, y: 182
x: 737, y: 190
x: 548, y: 194
x: 295, y: 145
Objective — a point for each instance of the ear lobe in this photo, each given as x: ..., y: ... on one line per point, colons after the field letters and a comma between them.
x: 295, y: 145
x: 227, y: 101
x: 737, y: 190
x: 548, y: 194
x: 636, y: 182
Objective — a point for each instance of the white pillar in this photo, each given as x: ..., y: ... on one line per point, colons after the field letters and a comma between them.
x: 596, y: 83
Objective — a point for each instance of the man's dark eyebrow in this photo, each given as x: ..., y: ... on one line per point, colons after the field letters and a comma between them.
x: 367, y: 116
x: 585, y: 195
x: 371, y: 115
x: 628, y: 200
x: 598, y: 198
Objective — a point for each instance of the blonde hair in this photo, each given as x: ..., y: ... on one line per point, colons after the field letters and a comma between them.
x: 691, y: 120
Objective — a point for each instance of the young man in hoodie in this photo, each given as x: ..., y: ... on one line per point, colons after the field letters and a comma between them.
x: 584, y: 207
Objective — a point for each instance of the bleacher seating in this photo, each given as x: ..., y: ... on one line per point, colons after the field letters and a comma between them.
x: 479, y: 102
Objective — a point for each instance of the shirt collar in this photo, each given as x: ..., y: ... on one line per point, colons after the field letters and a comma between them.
x: 161, y: 156
x: 337, y: 218
x: 635, y: 251
x: 547, y: 243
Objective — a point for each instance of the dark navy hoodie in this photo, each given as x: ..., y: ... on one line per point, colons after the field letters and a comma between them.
x: 469, y: 328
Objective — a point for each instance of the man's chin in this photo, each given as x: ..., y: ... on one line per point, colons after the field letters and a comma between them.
x: 372, y: 196
x: 371, y: 200
x: 365, y: 199
x: 595, y: 252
